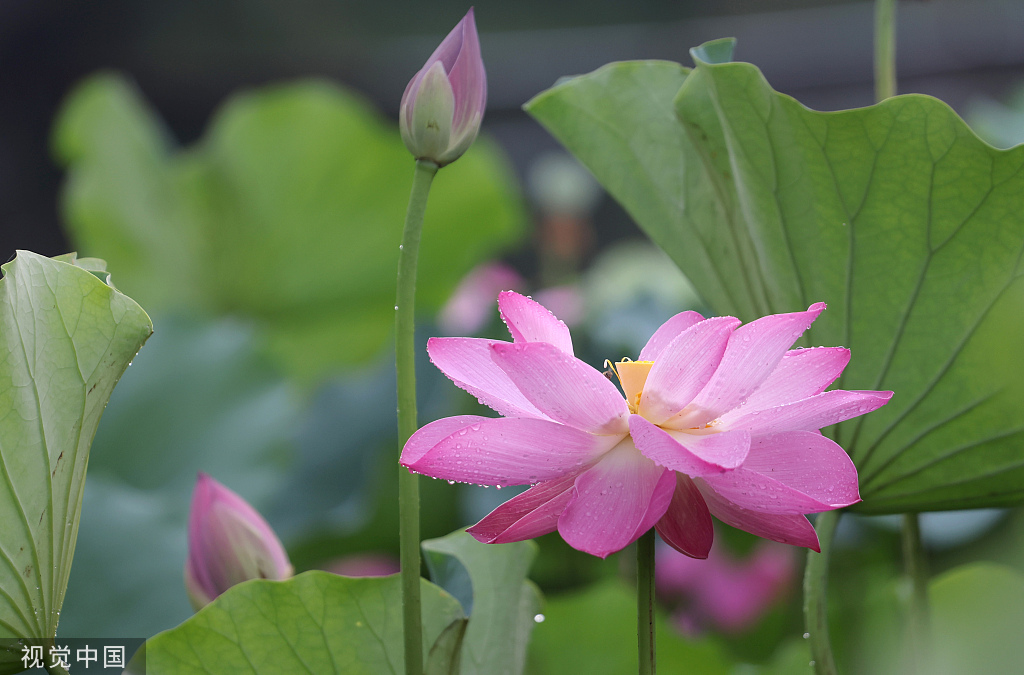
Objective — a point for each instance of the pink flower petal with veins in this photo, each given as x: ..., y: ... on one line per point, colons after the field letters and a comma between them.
x: 801, y: 373
x: 467, y: 362
x: 686, y: 526
x: 754, y: 351
x: 527, y: 515
x: 684, y: 367
x: 667, y: 332
x: 783, y: 528
x: 530, y: 321
x: 562, y: 387
x: 792, y: 472
x: 503, y: 451
x: 616, y: 501
x: 693, y: 455
x: 809, y: 462
x: 810, y: 414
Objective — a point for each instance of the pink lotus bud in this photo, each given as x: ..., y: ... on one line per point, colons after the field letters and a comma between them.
x: 444, y: 103
x: 228, y: 543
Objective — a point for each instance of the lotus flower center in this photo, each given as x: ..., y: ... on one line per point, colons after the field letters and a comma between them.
x: 632, y: 376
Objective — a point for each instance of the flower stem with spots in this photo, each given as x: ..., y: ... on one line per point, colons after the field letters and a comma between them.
x: 815, y: 597
x: 645, y: 602
x: 405, y: 367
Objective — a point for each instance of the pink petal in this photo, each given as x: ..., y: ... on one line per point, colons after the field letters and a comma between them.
x: 563, y: 387
x: 791, y: 472
x: 668, y: 332
x: 527, y: 515
x: 503, y: 451
x: 448, y: 51
x: 809, y: 462
x: 754, y: 351
x: 809, y: 414
x: 800, y: 373
x: 684, y: 367
x: 530, y: 321
x: 787, y: 529
x: 686, y: 526
x: 691, y: 454
x: 429, y: 435
x: 467, y: 362
x: 616, y: 501
x: 467, y: 76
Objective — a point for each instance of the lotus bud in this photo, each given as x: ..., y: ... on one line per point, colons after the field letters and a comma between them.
x: 228, y: 543
x: 444, y: 103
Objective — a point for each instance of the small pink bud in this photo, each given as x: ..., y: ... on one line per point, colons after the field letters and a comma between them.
x: 228, y: 543
x: 444, y: 103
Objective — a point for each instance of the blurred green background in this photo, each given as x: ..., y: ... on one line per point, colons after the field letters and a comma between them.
x: 239, y: 168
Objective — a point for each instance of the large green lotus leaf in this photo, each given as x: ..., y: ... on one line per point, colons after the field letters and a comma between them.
x: 289, y: 210
x: 67, y: 338
x: 490, y: 581
x: 316, y: 623
x: 594, y: 632
x: 124, y: 193
x: 897, y: 216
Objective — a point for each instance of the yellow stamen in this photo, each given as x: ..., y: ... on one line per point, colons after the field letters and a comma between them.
x: 632, y: 376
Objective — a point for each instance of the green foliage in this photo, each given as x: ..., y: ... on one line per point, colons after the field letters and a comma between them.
x: 67, y: 338
x: 315, y: 623
x: 196, y: 399
x: 490, y: 581
x: 897, y: 216
x: 977, y: 620
x: 289, y: 211
x: 594, y: 632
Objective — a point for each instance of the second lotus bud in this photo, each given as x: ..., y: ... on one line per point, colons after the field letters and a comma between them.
x: 443, y: 105
x: 228, y: 543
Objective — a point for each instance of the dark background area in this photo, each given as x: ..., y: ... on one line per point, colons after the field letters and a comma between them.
x: 187, y: 57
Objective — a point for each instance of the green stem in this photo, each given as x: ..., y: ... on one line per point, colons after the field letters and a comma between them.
x: 645, y: 602
x: 885, y: 49
x: 915, y: 564
x: 405, y: 367
x: 815, y: 599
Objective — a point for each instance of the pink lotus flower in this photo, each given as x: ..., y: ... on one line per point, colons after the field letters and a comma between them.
x: 724, y: 592
x: 228, y: 543
x: 443, y: 104
x: 717, y: 419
